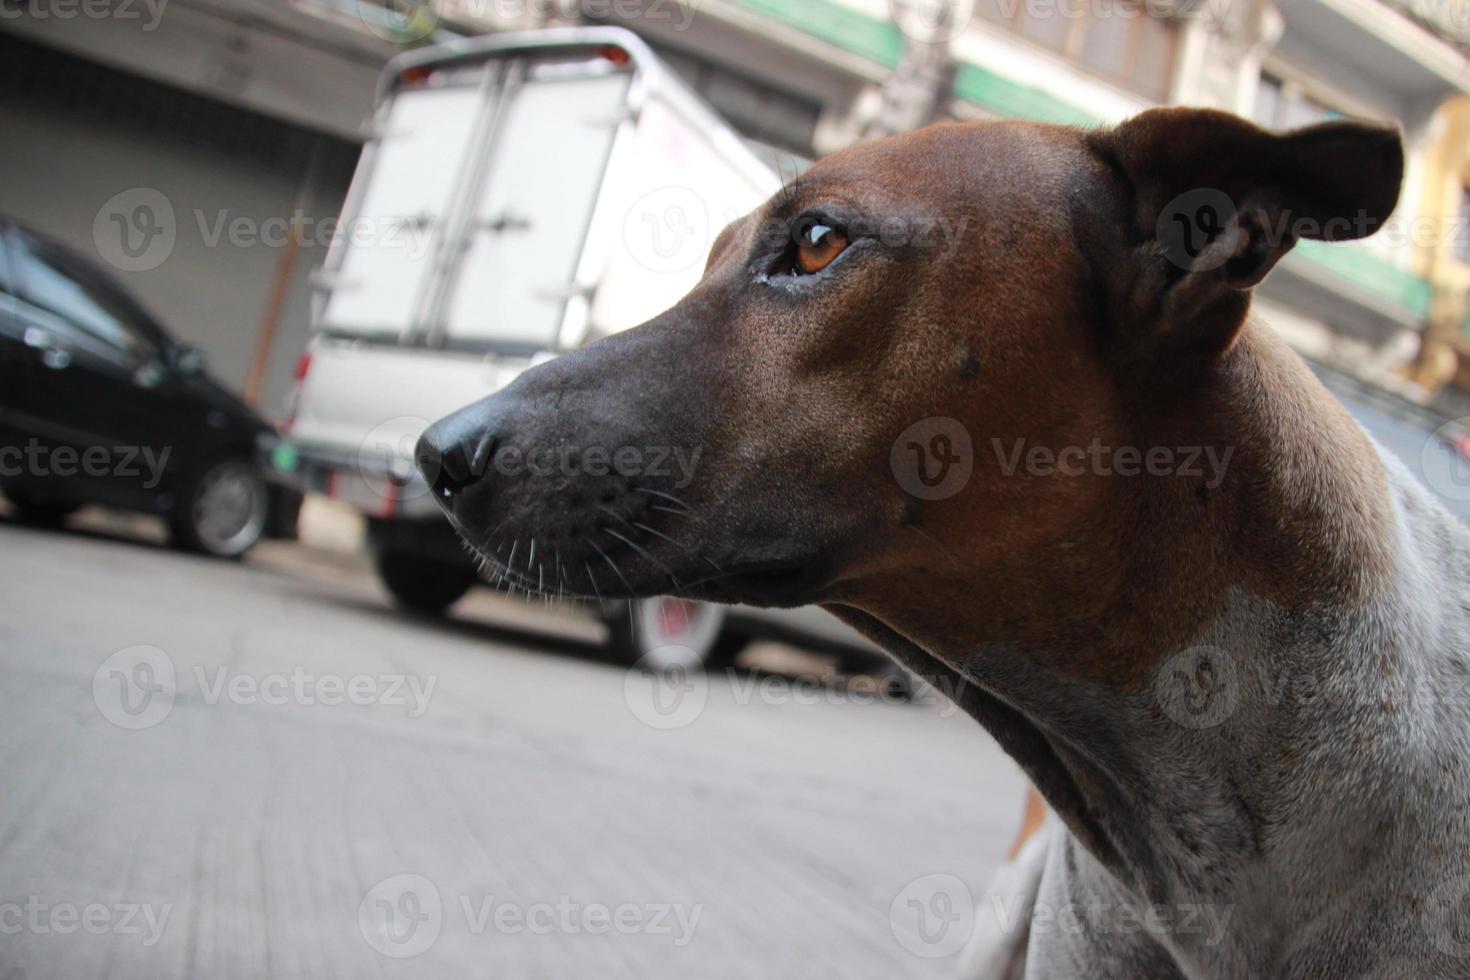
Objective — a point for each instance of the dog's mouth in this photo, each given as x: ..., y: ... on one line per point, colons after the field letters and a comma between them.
x: 598, y: 575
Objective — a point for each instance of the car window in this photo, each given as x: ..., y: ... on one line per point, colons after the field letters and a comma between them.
x: 49, y: 280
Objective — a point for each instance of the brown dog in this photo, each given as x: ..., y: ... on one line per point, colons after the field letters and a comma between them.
x: 958, y: 387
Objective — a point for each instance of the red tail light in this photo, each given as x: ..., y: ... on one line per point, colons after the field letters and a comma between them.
x: 293, y: 400
x: 616, y: 55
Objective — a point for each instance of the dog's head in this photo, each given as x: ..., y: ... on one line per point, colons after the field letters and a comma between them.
x: 814, y: 422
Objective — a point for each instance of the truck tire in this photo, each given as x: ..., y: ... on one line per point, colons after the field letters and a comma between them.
x: 420, y: 584
x: 664, y: 633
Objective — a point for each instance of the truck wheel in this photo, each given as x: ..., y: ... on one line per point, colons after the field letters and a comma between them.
x: 422, y: 585
x: 671, y: 634
x: 223, y: 510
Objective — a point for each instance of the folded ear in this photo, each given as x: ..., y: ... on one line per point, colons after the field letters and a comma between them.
x: 1212, y: 202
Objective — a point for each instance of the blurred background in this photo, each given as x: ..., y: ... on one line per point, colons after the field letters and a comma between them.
x: 265, y: 718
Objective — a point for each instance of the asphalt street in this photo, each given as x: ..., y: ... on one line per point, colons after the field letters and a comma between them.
x: 214, y: 770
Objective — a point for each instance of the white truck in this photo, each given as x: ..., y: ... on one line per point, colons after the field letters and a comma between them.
x: 520, y: 195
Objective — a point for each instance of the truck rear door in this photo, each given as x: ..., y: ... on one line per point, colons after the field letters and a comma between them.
x: 548, y: 153
x: 393, y: 233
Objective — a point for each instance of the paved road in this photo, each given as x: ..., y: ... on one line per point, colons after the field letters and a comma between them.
x: 215, y: 771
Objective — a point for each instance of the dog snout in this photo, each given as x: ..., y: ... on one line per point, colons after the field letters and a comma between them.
x: 453, y: 453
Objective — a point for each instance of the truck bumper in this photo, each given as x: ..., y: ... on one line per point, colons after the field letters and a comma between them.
x: 379, y: 487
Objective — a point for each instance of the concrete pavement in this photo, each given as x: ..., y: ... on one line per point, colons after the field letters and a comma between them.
x: 262, y: 770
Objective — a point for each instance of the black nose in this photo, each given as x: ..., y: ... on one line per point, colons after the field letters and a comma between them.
x: 453, y: 455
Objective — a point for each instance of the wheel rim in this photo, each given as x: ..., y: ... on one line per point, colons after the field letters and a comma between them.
x: 229, y: 509
x: 677, y: 634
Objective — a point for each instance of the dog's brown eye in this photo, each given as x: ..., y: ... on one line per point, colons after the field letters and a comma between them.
x: 818, y: 247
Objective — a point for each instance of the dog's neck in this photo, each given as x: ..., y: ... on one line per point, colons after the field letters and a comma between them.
x: 1203, y: 676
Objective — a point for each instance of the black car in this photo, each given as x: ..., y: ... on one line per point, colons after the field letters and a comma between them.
x: 99, y: 405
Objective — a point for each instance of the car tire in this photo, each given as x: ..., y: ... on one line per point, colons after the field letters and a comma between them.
x: 39, y: 511
x: 422, y: 585
x: 665, y: 633
x: 223, y: 510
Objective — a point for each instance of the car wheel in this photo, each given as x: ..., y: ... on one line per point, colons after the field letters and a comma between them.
x: 38, y: 510
x: 423, y: 585
x: 665, y: 633
x: 223, y: 512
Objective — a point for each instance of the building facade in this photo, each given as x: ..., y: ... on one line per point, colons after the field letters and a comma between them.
x: 809, y: 76
x: 254, y: 108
